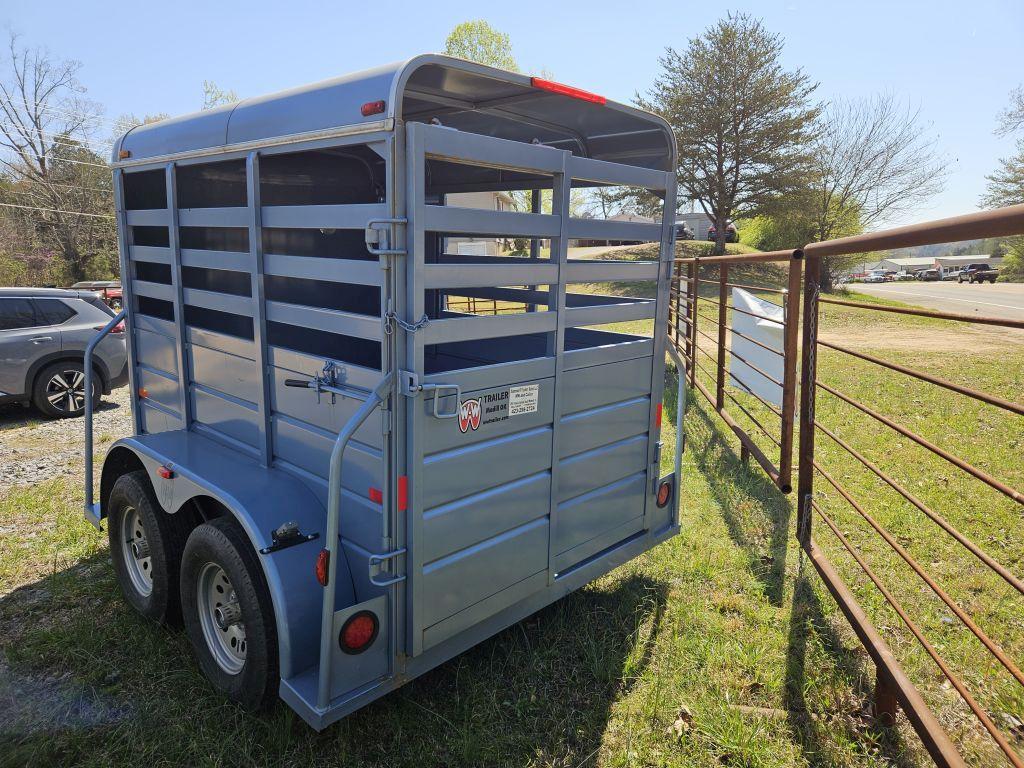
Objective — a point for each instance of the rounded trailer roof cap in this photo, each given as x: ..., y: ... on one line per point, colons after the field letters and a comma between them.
x: 458, y: 93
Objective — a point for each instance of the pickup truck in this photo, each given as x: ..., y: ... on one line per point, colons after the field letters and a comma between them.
x: 977, y: 273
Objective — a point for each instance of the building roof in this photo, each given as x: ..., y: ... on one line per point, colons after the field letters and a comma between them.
x: 968, y: 259
x: 915, y: 262
x: 460, y: 94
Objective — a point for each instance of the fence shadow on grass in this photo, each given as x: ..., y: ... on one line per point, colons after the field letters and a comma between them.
x: 540, y: 691
x: 749, y: 500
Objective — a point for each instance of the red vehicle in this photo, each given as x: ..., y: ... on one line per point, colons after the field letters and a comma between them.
x: 109, y: 291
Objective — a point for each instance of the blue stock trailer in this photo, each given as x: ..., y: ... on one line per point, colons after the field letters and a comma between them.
x: 375, y: 421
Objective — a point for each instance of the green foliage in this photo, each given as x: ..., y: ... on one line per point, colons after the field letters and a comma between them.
x: 741, y: 121
x: 480, y: 42
x: 1012, y: 268
x: 1006, y: 185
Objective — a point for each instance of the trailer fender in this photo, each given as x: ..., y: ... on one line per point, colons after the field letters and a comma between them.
x: 260, y: 499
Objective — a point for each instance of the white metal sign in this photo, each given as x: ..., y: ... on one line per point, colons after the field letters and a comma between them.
x: 766, y: 327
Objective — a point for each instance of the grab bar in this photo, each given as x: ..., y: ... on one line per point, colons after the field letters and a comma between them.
x: 92, y: 511
x: 375, y: 398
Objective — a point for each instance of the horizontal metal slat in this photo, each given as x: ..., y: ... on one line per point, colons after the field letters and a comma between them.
x: 157, y: 217
x: 480, y: 275
x: 332, y: 321
x: 232, y: 260
x: 220, y: 302
x: 322, y: 216
x: 604, y: 229
x: 314, y: 268
x: 472, y: 221
x: 213, y: 217
x: 153, y: 253
x: 587, y: 169
x: 489, y: 152
x: 487, y: 327
x: 153, y: 290
x: 623, y: 231
x: 609, y: 313
x: 598, y: 271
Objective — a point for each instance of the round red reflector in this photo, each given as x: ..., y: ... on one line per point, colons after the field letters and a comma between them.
x: 358, y: 632
x: 664, y: 493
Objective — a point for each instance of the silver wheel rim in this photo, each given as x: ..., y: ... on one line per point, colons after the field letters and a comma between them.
x: 65, y: 390
x: 135, y: 549
x: 220, y: 616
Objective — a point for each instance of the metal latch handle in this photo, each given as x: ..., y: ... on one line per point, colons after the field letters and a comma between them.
x: 437, y: 389
x: 376, y: 560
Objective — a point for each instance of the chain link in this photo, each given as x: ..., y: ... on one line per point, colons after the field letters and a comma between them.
x: 391, y: 319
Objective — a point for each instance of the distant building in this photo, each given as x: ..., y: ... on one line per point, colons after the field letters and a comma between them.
x: 948, y: 264
x: 698, y: 222
x: 478, y: 246
x: 906, y: 265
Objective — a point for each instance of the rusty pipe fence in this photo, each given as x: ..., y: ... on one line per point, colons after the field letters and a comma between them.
x: 822, y: 482
x: 687, y: 322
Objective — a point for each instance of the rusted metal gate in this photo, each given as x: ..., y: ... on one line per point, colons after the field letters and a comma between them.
x: 894, y: 687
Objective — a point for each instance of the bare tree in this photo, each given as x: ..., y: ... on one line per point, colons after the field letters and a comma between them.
x: 58, y: 182
x: 741, y: 121
x: 214, y: 95
x: 1011, y: 119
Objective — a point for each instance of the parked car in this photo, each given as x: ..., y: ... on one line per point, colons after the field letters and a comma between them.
x: 951, y: 274
x: 110, y: 290
x: 875, y: 276
x: 43, y: 335
x: 903, y: 276
x: 929, y: 275
x: 731, y: 235
x: 683, y: 232
x: 977, y: 273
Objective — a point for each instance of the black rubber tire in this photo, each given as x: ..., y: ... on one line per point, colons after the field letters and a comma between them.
x: 39, y: 396
x: 223, y: 542
x: 166, y: 536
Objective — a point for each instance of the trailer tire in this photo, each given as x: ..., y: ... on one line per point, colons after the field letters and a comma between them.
x: 145, y: 547
x: 228, y: 614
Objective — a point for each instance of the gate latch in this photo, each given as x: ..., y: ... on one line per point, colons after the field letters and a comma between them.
x: 377, y: 237
x: 409, y: 385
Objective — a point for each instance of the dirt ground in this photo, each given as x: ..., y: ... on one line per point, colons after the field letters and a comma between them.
x: 34, y: 448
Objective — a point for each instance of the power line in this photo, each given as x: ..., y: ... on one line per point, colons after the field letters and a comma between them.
x: 69, y: 142
x: 76, y: 162
x: 45, y: 107
x: 57, y: 210
x: 58, y: 184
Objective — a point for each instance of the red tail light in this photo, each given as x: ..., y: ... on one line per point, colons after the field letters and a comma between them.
x: 567, y: 90
x: 664, y: 493
x: 166, y: 473
x: 373, y: 108
x: 657, y: 419
x: 323, y: 560
x: 358, y: 632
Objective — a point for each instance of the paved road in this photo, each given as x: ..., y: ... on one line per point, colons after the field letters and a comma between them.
x: 1004, y: 300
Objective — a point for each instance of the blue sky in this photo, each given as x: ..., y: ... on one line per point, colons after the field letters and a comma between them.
x: 956, y: 61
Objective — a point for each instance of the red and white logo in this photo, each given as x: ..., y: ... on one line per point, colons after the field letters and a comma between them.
x: 469, y: 415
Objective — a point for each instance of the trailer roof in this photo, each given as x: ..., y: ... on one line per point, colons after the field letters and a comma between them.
x: 460, y: 94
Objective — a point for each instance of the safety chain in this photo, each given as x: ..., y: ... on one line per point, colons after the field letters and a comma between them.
x: 391, y: 319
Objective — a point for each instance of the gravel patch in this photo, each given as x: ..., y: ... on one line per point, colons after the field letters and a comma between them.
x: 34, y: 448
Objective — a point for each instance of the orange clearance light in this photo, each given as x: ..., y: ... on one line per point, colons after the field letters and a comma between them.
x: 358, y: 632
x: 373, y: 108
x: 664, y: 493
x: 323, y: 560
x: 143, y: 392
x: 567, y: 90
x: 124, y: 154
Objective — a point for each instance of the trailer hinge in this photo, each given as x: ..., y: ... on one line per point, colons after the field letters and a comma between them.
x: 656, y: 467
x: 385, y: 421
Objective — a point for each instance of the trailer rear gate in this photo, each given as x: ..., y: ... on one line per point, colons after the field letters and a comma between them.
x: 526, y: 448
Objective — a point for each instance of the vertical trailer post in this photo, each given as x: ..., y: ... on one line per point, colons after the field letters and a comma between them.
x: 808, y: 377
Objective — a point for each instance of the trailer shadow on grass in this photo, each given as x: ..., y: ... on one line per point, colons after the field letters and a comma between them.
x: 758, y: 517
x: 84, y: 680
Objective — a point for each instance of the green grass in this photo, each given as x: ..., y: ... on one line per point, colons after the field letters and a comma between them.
x: 725, y: 620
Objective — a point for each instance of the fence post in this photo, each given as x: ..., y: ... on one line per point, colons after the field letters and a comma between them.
x: 808, y: 377
x: 691, y: 294
x: 723, y: 318
x: 791, y: 343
